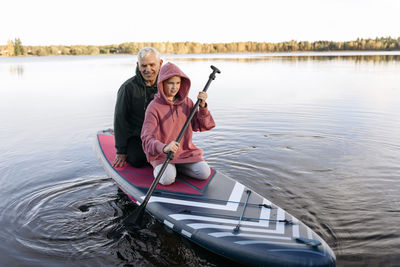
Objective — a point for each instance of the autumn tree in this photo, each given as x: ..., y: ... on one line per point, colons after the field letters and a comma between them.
x: 10, y: 48
x: 18, y: 48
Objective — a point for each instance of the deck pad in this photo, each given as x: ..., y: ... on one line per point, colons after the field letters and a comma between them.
x: 143, y: 177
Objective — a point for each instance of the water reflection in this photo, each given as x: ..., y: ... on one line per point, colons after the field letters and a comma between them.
x: 17, y: 70
x: 356, y: 58
x: 293, y: 57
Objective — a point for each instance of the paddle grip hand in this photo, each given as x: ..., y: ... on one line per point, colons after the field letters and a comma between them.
x: 203, y: 97
x: 171, y: 147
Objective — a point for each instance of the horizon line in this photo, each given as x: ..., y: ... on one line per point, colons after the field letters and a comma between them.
x: 298, y: 41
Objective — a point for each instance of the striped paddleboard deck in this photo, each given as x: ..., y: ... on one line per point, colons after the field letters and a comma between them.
x: 221, y: 215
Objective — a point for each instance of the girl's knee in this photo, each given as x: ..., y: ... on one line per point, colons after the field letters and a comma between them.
x: 167, y: 180
x: 168, y: 177
x: 198, y: 170
x: 204, y: 173
x: 201, y: 170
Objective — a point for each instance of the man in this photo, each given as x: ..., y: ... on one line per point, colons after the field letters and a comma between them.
x: 133, y: 97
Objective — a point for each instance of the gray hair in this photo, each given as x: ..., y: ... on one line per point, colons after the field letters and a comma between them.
x: 145, y: 51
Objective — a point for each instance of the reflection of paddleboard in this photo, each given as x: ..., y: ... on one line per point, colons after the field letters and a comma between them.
x: 221, y: 215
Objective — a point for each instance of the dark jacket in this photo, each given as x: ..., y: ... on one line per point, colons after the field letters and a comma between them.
x: 132, y: 100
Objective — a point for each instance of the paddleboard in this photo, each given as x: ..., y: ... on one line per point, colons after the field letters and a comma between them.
x: 221, y: 215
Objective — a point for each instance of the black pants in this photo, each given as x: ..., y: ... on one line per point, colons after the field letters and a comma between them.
x: 135, y: 155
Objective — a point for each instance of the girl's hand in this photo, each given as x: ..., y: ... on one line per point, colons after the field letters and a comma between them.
x: 203, y: 97
x: 173, y: 146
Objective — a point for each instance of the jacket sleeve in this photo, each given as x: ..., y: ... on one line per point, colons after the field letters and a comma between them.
x: 151, y: 145
x: 202, y: 120
x: 120, y: 121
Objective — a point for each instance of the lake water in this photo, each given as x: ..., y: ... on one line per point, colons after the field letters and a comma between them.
x: 318, y: 134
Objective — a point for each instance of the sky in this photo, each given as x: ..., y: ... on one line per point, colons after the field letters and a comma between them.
x: 101, y: 22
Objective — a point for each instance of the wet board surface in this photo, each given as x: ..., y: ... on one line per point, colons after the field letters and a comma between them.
x: 208, y: 212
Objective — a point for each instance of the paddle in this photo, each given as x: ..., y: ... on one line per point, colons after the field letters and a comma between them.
x: 139, y: 211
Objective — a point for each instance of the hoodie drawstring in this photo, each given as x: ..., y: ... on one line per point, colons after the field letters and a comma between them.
x: 173, y: 109
x: 172, y: 112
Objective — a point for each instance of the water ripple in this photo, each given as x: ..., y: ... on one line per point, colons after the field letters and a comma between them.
x: 74, y: 221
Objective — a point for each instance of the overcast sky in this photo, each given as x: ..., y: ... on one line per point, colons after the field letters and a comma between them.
x: 98, y: 22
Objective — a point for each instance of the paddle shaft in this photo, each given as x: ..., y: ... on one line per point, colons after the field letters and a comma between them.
x: 170, y: 154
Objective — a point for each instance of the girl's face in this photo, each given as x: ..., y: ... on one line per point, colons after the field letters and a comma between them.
x: 171, y: 87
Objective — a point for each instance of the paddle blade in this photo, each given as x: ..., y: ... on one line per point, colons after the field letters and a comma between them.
x: 135, y: 219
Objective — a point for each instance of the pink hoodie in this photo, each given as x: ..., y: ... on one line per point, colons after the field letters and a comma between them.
x: 164, y: 120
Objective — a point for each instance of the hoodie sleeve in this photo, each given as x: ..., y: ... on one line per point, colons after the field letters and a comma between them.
x: 202, y: 120
x: 151, y: 145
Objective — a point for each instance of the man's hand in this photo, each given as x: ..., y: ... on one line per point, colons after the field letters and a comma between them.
x: 119, y: 161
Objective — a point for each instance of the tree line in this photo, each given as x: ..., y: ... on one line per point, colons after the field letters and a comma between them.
x: 15, y: 48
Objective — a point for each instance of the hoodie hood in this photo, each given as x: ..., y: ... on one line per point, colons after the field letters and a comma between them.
x: 167, y: 71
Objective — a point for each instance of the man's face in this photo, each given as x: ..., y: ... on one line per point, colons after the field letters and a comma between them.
x: 149, y: 68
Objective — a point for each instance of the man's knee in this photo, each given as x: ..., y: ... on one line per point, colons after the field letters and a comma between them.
x: 136, y: 156
x: 137, y: 162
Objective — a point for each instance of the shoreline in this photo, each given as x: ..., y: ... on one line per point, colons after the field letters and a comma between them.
x: 343, y: 53
x: 16, y: 48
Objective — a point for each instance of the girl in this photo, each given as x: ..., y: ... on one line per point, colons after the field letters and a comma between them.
x: 165, y: 117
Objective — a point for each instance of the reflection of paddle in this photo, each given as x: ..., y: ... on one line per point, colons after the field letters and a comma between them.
x: 138, y: 212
